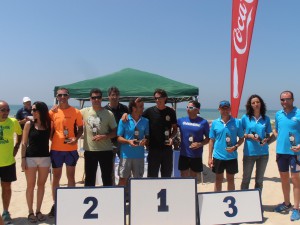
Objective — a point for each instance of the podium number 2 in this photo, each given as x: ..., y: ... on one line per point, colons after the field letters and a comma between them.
x: 162, y: 195
x: 89, y: 213
x: 231, y: 204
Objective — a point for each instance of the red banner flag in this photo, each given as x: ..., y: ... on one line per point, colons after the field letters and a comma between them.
x: 243, y: 18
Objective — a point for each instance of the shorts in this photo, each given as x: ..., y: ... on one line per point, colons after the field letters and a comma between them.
x: 286, y: 161
x: 131, y: 166
x: 38, y: 161
x: 186, y: 163
x: 219, y: 166
x: 58, y: 158
x: 8, y: 173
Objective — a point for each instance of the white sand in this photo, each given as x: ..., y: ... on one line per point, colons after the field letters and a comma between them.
x: 272, y: 194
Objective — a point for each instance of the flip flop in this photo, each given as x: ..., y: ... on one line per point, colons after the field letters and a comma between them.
x: 40, y: 216
x: 32, y: 218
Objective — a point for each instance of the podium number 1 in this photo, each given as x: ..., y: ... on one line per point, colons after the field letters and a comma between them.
x: 162, y: 195
x: 89, y: 213
x: 231, y: 204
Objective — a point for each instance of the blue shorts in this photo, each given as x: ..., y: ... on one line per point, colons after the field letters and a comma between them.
x: 58, y: 158
x: 8, y: 173
x: 286, y: 161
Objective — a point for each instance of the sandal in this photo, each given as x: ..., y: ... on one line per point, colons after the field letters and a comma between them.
x: 40, y: 216
x: 32, y: 218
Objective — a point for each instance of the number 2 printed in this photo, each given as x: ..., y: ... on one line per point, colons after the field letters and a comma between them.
x: 89, y: 213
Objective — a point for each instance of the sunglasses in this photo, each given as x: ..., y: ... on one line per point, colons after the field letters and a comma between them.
x: 191, y: 107
x: 285, y: 99
x: 96, y: 97
x: 34, y: 110
x: 60, y: 95
x: 158, y: 98
x: 5, y: 110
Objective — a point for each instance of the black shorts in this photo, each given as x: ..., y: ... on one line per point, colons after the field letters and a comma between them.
x: 231, y: 166
x: 8, y: 173
x: 185, y: 163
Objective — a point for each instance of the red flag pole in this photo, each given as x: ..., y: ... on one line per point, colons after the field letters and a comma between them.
x: 243, y: 18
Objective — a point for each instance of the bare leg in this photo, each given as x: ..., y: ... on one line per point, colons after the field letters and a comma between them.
x: 6, y: 194
x: 30, y: 174
x: 296, y: 189
x: 285, y: 184
x: 71, y: 176
x: 218, y: 182
x: 42, y: 178
x: 55, y: 181
x: 230, y: 182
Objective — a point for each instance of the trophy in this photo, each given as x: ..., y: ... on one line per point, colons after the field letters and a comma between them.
x: 257, y: 136
x: 292, y: 139
x: 191, y: 139
x: 228, y: 141
x: 167, y: 136
x: 94, y: 130
x: 136, y: 136
x: 66, y: 134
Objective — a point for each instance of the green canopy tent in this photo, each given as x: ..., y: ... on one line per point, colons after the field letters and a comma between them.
x: 132, y: 83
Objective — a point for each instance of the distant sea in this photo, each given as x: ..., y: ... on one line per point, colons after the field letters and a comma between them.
x: 209, y: 114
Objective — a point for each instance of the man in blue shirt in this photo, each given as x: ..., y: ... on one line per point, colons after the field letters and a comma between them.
x: 24, y: 114
x: 132, y: 135
x: 223, y: 146
x: 287, y: 130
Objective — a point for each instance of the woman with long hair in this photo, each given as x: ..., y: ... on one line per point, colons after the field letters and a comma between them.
x: 36, y: 158
x: 257, y: 127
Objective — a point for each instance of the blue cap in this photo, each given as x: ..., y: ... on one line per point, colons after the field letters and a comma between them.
x: 224, y: 103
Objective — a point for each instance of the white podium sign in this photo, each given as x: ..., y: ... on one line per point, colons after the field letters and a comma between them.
x: 230, y: 207
x: 162, y: 201
x: 90, y: 206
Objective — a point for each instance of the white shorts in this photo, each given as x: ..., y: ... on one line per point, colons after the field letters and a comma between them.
x: 131, y: 166
x: 38, y: 161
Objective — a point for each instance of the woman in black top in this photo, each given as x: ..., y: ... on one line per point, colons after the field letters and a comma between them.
x: 36, y: 158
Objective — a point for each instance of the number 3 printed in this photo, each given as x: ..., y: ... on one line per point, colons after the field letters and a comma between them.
x: 88, y: 214
x: 231, y: 205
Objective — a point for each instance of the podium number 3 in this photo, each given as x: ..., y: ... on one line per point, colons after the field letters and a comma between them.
x: 231, y: 204
x: 89, y: 213
x: 162, y: 195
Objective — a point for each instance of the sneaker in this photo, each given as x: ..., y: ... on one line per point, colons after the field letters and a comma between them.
x: 295, y: 215
x: 6, y: 216
x: 52, y: 212
x: 282, y: 207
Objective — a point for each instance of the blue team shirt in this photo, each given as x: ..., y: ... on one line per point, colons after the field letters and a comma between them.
x: 198, y: 128
x: 286, y: 123
x: 260, y: 127
x: 126, y: 130
x: 219, y: 130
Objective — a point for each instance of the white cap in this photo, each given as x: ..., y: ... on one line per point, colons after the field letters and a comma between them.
x: 26, y: 99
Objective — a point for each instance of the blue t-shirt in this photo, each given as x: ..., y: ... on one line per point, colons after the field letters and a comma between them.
x: 287, y: 124
x: 198, y: 128
x: 260, y: 127
x: 126, y: 130
x: 219, y: 131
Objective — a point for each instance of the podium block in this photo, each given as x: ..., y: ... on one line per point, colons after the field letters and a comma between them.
x: 230, y: 207
x: 90, y: 206
x: 162, y: 201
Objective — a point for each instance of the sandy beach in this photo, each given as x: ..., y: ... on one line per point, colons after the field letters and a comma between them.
x: 271, y: 196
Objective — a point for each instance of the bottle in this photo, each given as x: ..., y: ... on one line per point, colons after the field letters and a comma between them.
x: 167, y: 136
x: 292, y: 139
x: 228, y: 141
x: 191, y: 139
x: 136, y: 136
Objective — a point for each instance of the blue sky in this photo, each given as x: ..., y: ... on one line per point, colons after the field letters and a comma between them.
x: 49, y: 43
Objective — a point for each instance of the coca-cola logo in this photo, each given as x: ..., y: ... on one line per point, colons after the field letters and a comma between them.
x: 240, y: 31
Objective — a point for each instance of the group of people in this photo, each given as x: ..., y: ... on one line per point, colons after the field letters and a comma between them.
x: 128, y: 131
